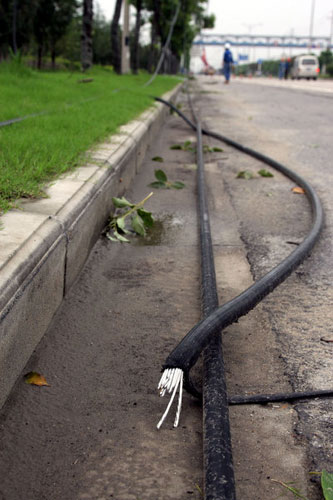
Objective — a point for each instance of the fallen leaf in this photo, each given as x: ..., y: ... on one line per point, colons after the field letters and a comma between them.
x: 284, y: 406
x: 34, y: 378
x: 138, y: 225
x: 327, y: 484
x: 158, y: 185
x: 161, y: 176
x: 245, y: 174
x: 298, y: 190
x: 177, y: 185
x: 265, y: 173
x: 121, y: 202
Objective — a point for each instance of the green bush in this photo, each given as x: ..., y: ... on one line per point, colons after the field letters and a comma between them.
x: 329, y: 69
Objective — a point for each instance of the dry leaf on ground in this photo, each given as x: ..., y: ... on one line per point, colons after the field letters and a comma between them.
x: 298, y: 190
x: 34, y: 378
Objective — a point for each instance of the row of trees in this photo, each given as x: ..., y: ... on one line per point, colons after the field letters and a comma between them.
x: 78, y: 32
x: 271, y: 67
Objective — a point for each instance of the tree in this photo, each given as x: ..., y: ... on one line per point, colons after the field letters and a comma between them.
x: 138, y: 4
x: 62, y: 17
x: 101, y: 40
x: 86, y: 35
x: 16, y: 25
x: 325, y: 59
x: 115, y: 38
x: 41, y: 26
x: 190, y: 21
x: 69, y: 46
x: 50, y: 22
x: 5, y: 22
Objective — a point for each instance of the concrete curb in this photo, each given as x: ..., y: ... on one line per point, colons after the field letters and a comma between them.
x: 44, y: 246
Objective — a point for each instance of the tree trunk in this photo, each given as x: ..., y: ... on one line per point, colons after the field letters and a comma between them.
x: 151, y: 56
x: 136, y: 46
x: 157, y: 19
x: 115, y: 38
x: 86, y: 35
x: 14, y: 26
x: 53, y: 57
x: 39, y: 56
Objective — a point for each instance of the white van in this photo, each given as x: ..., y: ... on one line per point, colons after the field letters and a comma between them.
x: 306, y: 66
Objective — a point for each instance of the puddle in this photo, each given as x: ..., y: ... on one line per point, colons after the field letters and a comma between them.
x: 164, y: 231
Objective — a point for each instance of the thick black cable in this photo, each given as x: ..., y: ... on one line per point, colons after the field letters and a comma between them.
x: 278, y: 397
x: 188, y: 350
x: 219, y: 481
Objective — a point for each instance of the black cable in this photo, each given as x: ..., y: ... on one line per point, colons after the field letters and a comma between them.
x: 219, y: 481
x: 16, y: 120
x: 280, y: 396
x: 33, y: 115
x: 188, y: 350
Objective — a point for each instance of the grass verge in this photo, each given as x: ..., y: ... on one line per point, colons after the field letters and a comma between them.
x: 76, y: 116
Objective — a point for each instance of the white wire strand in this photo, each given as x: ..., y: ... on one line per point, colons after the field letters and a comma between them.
x: 171, y: 379
x: 180, y: 397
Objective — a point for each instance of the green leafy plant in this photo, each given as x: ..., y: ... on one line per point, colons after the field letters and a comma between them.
x: 140, y: 219
x: 208, y: 149
x: 186, y: 146
x: 327, y: 484
x: 265, y: 173
x: 163, y: 183
x: 158, y: 158
x: 245, y: 174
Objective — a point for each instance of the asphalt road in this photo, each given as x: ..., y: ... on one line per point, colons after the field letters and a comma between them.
x: 91, y: 434
x: 292, y: 123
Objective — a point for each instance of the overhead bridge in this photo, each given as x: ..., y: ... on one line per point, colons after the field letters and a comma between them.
x: 250, y: 40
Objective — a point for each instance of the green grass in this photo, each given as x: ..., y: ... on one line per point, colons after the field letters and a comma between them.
x: 77, y: 116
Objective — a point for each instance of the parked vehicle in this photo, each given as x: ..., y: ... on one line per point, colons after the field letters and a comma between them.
x: 305, y: 66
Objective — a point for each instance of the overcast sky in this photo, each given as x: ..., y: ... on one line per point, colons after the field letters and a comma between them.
x: 276, y: 17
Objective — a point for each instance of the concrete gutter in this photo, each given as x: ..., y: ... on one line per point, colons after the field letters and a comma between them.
x: 44, y: 244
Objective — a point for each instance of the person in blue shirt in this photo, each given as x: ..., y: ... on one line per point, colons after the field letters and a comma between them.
x: 227, y: 62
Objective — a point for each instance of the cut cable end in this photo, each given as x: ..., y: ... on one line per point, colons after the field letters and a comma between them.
x: 171, y: 379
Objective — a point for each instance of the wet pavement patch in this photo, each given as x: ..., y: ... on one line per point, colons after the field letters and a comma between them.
x: 164, y: 231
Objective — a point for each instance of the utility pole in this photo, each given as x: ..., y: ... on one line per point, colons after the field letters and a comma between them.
x: 331, y: 32
x: 311, y: 24
x: 125, y: 52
